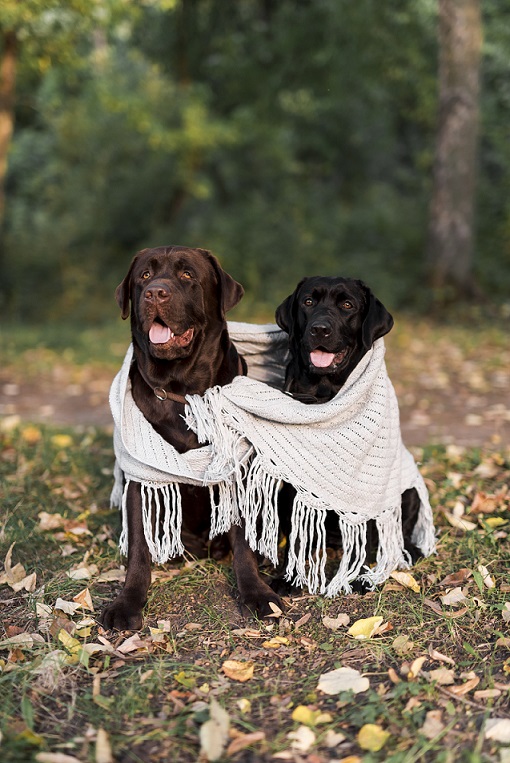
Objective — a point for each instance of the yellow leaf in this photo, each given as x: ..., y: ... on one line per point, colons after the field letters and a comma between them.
x: 365, y: 628
x: 495, y: 521
x: 103, y: 748
x: 405, y: 579
x: 62, y: 441
x: 309, y: 717
x: 68, y: 642
x: 31, y: 435
x: 238, y: 671
x: 276, y: 642
x: 416, y: 667
x: 244, y: 705
x: 372, y: 737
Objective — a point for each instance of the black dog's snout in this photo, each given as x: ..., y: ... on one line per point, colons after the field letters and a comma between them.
x: 157, y: 292
x: 320, y: 329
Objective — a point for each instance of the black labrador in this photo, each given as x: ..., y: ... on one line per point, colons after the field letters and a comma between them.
x: 332, y: 323
x: 177, y: 298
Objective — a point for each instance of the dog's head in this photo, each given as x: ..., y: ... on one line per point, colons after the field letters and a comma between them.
x: 332, y: 322
x: 174, y: 294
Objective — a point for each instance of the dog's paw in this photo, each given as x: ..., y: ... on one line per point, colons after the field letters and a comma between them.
x: 122, y: 615
x: 258, y: 601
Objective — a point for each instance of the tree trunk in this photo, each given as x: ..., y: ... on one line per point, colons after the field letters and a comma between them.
x: 7, y: 91
x: 451, y: 222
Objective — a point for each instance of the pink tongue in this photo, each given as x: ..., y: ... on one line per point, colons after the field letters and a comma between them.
x: 159, y: 334
x: 321, y: 359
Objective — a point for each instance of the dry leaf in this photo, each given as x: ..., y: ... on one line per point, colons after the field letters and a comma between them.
x: 276, y: 642
x: 334, y: 623
x: 84, y: 600
x: 131, y: 644
x: 69, y: 607
x: 454, y: 596
x: 402, y: 644
x: 498, y: 729
x: 83, y: 572
x: 459, y: 522
x: 487, y: 693
x: 416, y: 667
x: 443, y: 676
x: 16, y: 577
x: 302, y: 620
x: 433, y: 725
x: 343, y: 679
x: 435, y: 655
x: 238, y: 671
x: 405, y: 579
x: 372, y: 737
x: 333, y: 738
x: 55, y: 757
x: 275, y: 609
x: 435, y: 606
x: 487, y: 580
x: 103, y: 748
x: 365, y: 628
x: 245, y: 740
x: 309, y: 717
x: 456, y: 578
x: 214, y: 732
x: 301, y: 739
x: 50, y: 521
x: 464, y: 688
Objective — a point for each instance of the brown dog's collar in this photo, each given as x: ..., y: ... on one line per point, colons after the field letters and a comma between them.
x: 162, y: 394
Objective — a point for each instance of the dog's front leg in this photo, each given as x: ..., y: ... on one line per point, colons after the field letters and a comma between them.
x: 125, y: 612
x: 255, y: 594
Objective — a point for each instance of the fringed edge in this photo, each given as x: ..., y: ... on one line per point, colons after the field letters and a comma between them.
x: 259, y: 503
x: 307, y: 557
x: 161, y: 518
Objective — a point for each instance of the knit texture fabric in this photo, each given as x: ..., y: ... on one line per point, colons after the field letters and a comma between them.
x: 345, y: 456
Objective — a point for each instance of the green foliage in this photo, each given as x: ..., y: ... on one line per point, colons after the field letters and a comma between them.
x: 290, y: 138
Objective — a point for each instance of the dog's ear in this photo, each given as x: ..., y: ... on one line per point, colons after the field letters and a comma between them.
x: 284, y: 315
x: 231, y: 291
x: 377, y: 322
x: 123, y: 290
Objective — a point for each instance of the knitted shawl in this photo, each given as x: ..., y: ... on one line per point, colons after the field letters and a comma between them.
x: 345, y: 456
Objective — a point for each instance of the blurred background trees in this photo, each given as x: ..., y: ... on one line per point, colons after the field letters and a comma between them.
x: 291, y: 137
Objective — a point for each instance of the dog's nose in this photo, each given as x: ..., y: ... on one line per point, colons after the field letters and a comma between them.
x: 320, y: 329
x: 157, y: 292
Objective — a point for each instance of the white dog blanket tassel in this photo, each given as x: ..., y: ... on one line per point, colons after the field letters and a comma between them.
x: 345, y: 456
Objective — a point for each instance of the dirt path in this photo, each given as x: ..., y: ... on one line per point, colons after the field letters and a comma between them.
x: 446, y: 394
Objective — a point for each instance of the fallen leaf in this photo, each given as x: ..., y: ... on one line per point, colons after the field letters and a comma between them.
x: 112, y: 576
x: 83, y: 572
x: 276, y: 642
x: 61, y: 441
x: 456, y: 578
x: 365, y: 628
x: 31, y: 435
x: 276, y: 611
x: 302, y: 620
x: 487, y: 580
x: 84, y: 600
x: 131, y: 644
x: 443, y: 676
x: 498, y: 729
x: 342, y: 679
x: 245, y: 740
x: 454, y: 596
x: 433, y: 725
x: 69, y: 607
x: 301, y: 739
x: 435, y: 655
x: 436, y: 607
x: 402, y: 644
x: 405, y: 579
x: 416, y: 667
x: 214, y: 732
x: 372, y: 737
x: 333, y: 738
x: 464, y: 688
x: 459, y: 522
x: 238, y: 671
x: 308, y: 717
x: 16, y: 577
x: 55, y: 757
x: 334, y: 623
x: 103, y: 748
x: 487, y: 693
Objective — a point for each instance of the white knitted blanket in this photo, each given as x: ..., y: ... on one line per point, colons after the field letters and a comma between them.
x: 345, y: 456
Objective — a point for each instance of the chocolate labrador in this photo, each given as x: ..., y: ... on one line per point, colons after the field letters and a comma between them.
x: 332, y: 323
x: 177, y: 298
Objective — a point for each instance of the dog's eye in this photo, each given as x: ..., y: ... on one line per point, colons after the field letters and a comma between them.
x: 308, y: 302
x: 146, y: 274
x: 186, y: 274
x: 347, y: 305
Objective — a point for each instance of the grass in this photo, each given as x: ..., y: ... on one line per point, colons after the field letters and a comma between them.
x: 151, y: 702
x: 154, y: 699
